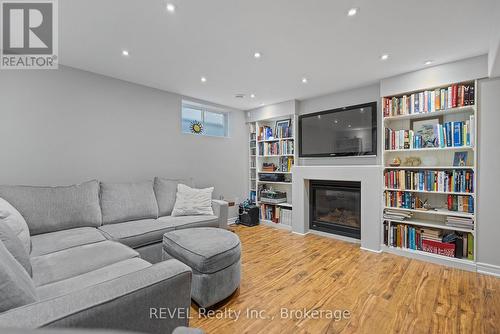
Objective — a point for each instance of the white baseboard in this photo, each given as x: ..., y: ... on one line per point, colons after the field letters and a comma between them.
x: 371, y: 250
x: 488, y: 269
x: 298, y: 233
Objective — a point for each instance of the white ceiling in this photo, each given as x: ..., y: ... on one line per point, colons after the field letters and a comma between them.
x: 297, y: 38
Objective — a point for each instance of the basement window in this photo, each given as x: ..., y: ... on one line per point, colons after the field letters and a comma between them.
x: 204, y: 120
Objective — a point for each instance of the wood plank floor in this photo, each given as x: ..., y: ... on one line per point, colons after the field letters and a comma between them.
x: 383, y: 293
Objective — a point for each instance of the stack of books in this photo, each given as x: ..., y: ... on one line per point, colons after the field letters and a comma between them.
x: 454, y: 96
x: 462, y: 222
x: 268, y: 167
x: 460, y: 203
x: 397, y: 215
x: 449, y: 134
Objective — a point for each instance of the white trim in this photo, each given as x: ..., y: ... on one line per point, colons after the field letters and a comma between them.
x: 302, y: 234
x: 488, y: 269
x: 371, y: 250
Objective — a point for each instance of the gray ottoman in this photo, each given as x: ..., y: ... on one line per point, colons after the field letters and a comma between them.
x: 214, y: 256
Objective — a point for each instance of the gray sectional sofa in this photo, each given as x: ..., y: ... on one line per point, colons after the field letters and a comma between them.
x: 96, y: 255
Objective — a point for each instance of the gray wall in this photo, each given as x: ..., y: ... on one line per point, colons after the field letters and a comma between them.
x: 489, y: 179
x: 68, y: 126
x: 343, y: 99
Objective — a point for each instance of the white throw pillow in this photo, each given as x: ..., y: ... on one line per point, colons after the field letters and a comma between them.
x: 190, y: 201
x: 13, y: 219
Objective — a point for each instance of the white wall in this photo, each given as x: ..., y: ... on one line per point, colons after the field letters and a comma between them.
x: 488, y: 251
x: 343, y: 99
x: 272, y: 110
x: 67, y: 126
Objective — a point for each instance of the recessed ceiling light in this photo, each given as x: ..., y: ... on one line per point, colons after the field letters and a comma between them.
x: 124, y: 52
x: 335, y: 121
x: 352, y: 11
x: 257, y: 55
x: 428, y: 62
x: 203, y: 79
x: 304, y: 80
x: 349, y: 125
x: 170, y: 7
x: 252, y: 96
x: 384, y: 57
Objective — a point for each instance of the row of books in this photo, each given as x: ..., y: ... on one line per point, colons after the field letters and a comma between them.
x: 449, y: 134
x: 276, y: 148
x: 451, y: 244
x: 285, y: 164
x: 460, y: 203
x: 268, y: 133
x: 430, y: 180
x: 462, y: 222
x: 430, y: 100
x: 406, y: 200
x: 276, y: 214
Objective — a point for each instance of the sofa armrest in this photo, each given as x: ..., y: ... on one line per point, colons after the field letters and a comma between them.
x: 153, y: 300
x: 221, y: 210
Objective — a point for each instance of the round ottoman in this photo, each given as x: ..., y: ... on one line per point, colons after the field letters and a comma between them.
x: 214, y: 256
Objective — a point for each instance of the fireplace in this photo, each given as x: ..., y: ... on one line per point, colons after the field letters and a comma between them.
x: 335, y: 207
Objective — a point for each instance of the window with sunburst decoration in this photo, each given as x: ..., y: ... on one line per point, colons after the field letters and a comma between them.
x: 204, y: 120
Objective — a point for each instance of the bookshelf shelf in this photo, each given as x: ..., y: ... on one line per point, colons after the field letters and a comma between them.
x: 273, y: 182
x: 450, y: 115
x: 275, y: 155
x: 275, y: 140
x: 453, y: 148
x: 438, y: 212
x: 429, y: 167
x: 430, y: 223
x: 431, y: 192
x: 425, y: 256
x: 459, y: 110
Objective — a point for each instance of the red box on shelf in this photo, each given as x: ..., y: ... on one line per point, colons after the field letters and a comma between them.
x: 440, y: 248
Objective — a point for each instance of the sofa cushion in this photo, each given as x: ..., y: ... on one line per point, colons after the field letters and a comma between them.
x: 15, y: 247
x: 16, y: 287
x: 166, y: 191
x: 183, y: 222
x: 11, y: 217
x: 91, y: 278
x: 137, y: 233
x: 49, y: 209
x: 206, y: 250
x: 47, y: 243
x: 76, y: 261
x: 121, y: 202
x: 190, y: 201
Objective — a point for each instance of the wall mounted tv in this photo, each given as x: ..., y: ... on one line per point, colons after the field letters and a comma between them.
x: 348, y: 131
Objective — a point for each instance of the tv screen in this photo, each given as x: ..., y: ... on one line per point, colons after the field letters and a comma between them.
x: 348, y: 131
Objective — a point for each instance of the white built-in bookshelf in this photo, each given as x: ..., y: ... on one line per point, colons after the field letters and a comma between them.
x: 274, y: 155
x: 431, y: 196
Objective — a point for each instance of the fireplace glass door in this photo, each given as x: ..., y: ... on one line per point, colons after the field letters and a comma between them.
x: 335, y: 207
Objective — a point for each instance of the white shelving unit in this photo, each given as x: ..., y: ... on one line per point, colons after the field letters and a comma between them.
x: 261, y: 158
x: 442, y: 160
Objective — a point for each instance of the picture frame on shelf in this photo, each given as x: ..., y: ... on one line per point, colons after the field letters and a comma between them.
x: 427, y: 129
x: 460, y: 159
x: 284, y: 123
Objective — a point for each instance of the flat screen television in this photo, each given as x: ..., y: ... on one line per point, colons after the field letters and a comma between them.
x: 348, y: 131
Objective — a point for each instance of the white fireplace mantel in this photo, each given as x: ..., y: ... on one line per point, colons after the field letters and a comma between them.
x: 371, y: 197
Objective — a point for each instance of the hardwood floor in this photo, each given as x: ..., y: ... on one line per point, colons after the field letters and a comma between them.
x: 384, y: 293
